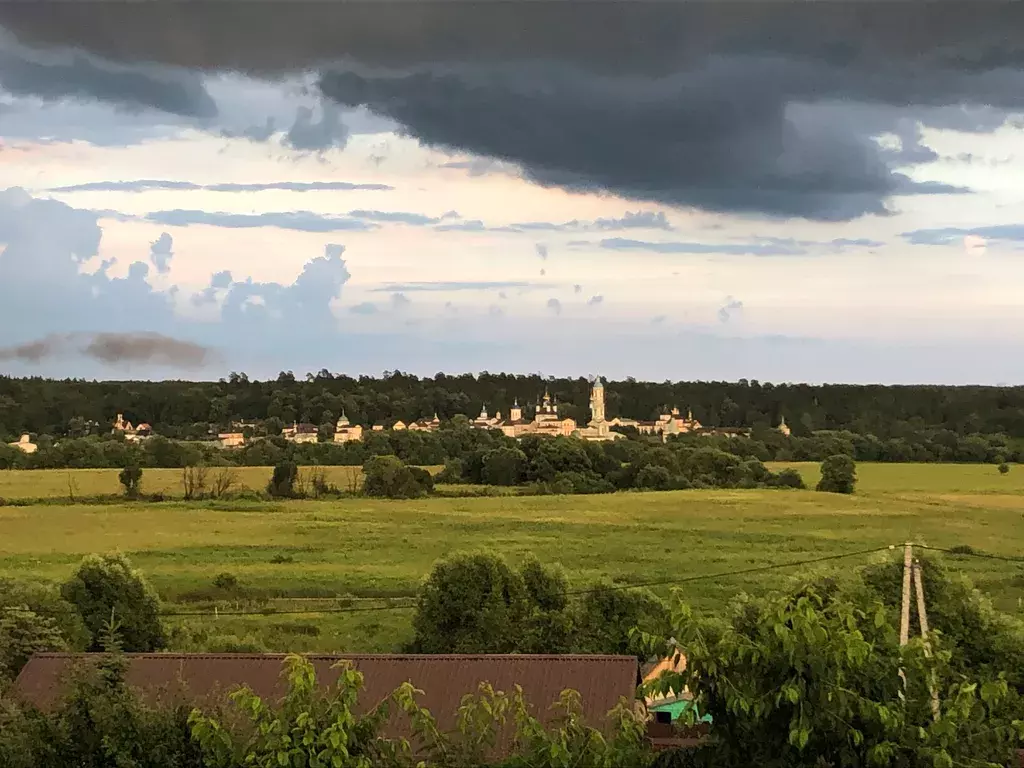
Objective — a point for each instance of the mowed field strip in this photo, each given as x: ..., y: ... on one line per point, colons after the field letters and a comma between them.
x: 363, y: 548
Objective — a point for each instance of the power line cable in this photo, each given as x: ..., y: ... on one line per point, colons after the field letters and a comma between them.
x: 966, y: 553
x: 570, y: 593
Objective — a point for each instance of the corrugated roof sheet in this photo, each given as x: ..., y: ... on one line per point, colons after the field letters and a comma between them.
x: 444, y: 680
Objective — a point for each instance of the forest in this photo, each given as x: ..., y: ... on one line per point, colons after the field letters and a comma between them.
x: 187, y: 409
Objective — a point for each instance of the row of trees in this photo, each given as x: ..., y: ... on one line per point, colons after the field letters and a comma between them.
x: 567, y: 465
x: 185, y: 410
x: 808, y: 676
x: 456, y: 440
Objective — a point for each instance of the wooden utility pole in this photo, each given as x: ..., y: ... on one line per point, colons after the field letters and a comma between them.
x: 922, y: 616
x: 908, y: 558
x: 908, y: 555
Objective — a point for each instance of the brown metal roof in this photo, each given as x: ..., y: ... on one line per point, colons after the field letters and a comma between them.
x: 444, y: 680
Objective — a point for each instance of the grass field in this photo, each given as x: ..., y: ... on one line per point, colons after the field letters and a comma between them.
x: 305, y: 555
x: 63, y: 483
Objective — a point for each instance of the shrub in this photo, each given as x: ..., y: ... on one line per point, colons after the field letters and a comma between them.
x: 423, y: 478
x: 22, y: 633
x: 653, y: 478
x: 282, y: 481
x: 388, y: 477
x: 504, y: 466
x: 223, y: 480
x: 786, y: 478
x: 320, y: 486
x: 131, y: 479
x: 45, y: 601
x: 1004, y: 468
x: 607, y: 617
x: 838, y: 474
x: 226, y: 581
x: 193, y: 481
x: 98, y: 723
x: 453, y: 472
x: 105, y: 586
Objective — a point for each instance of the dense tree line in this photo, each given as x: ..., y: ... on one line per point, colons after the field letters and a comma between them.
x: 184, y: 409
x: 511, y: 462
x: 568, y: 465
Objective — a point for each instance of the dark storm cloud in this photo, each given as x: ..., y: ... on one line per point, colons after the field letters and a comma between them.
x: 718, y: 106
x: 145, y: 185
x: 313, y: 135
x: 299, y: 221
x: 57, y: 76
x: 255, y: 133
x: 476, y: 167
x: 114, y: 348
x: 32, y: 351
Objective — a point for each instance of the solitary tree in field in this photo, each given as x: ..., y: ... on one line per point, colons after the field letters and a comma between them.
x: 282, y: 482
x: 131, y: 479
x: 1004, y: 468
x: 838, y: 474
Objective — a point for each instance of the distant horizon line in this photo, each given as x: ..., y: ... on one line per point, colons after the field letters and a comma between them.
x: 589, y: 379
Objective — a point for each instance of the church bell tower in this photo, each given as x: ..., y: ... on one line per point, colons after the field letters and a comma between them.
x: 597, y: 401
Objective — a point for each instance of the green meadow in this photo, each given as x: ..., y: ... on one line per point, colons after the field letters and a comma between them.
x: 335, y: 575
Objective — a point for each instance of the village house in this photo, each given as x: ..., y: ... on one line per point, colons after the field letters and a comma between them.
x: 665, y: 709
x: 671, y: 423
x: 25, y: 444
x: 345, y: 431
x: 133, y: 434
x: 301, y: 433
x: 546, y: 421
x: 426, y: 425
x: 231, y: 439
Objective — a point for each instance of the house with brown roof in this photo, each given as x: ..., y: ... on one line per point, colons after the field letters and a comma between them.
x: 204, y: 678
x: 301, y: 433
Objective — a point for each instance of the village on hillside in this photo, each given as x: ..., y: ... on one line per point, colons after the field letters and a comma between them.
x: 546, y: 422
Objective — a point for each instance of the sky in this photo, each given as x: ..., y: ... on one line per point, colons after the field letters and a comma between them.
x: 820, y: 192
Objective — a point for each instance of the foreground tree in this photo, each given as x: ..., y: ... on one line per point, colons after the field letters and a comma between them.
x: 838, y: 474
x: 471, y: 603
x: 107, y: 586
x: 816, y: 678
x: 307, y: 728
x: 22, y: 633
